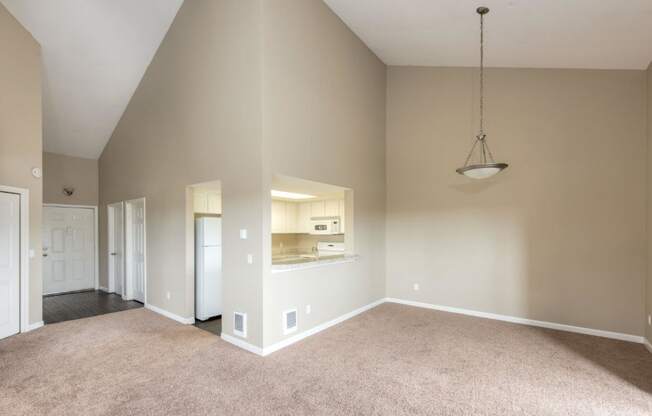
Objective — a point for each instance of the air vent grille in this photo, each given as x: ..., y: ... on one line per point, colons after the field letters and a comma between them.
x: 240, y: 324
x: 290, y: 323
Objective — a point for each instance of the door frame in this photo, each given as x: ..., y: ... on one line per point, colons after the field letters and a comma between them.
x: 96, y: 259
x: 24, y: 256
x: 128, y: 278
x: 111, y: 276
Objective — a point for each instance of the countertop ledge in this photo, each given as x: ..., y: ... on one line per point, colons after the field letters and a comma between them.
x: 282, y: 268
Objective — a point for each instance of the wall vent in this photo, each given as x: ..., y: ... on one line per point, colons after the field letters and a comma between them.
x: 240, y: 324
x: 290, y: 323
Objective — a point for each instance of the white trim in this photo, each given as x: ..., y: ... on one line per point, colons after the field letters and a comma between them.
x: 34, y: 326
x: 305, y: 334
x: 647, y: 344
x: 167, y: 314
x: 24, y: 325
x: 96, y: 239
x: 242, y: 344
x: 523, y: 321
x: 104, y: 289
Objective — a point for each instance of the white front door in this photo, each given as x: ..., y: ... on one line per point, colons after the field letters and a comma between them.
x: 9, y: 264
x: 135, y: 245
x: 68, y: 249
x: 116, y: 248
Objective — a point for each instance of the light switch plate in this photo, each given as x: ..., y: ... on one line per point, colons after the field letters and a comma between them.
x: 250, y: 258
x: 243, y: 234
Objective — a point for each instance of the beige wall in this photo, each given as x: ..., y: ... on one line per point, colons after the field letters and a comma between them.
x: 560, y: 235
x: 61, y: 171
x: 648, y: 327
x: 21, y: 142
x: 323, y: 120
x: 195, y: 117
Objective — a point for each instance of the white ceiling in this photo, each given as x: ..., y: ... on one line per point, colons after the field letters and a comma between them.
x: 95, y: 53
x: 600, y: 34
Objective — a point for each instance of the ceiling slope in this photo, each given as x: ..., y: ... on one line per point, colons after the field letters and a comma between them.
x: 604, y: 34
x: 95, y: 53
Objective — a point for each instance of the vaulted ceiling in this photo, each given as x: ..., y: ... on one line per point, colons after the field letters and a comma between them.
x: 600, y: 34
x: 95, y: 53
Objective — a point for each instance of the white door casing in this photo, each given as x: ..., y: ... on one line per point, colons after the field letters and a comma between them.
x: 68, y: 249
x: 116, y: 245
x: 135, y: 244
x: 9, y: 264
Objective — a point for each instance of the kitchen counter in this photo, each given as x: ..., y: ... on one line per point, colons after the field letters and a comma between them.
x: 306, y: 261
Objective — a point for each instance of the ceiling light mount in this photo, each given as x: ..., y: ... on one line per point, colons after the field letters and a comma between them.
x: 480, y: 163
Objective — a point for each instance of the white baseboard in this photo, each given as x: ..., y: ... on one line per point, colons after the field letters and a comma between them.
x: 186, y: 321
x: 312, y: 331
x: 242, y: 344
x: 647, y: 344
x: 35, y: 325
x: 104, y: 289
x: 523, y: 321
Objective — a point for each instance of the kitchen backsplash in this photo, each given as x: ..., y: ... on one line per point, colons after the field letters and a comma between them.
x: 300, y: 243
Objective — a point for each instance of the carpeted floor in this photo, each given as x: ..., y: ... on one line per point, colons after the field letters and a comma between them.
x: 392, y: 360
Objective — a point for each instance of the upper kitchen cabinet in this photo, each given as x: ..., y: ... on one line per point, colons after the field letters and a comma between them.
x: 294, y: 217
x: 207, y: 201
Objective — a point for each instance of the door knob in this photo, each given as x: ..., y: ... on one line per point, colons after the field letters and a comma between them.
x: 45, y: 254
x: 113, y: 254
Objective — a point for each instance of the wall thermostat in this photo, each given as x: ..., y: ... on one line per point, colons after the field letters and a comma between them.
x: 36, y: 172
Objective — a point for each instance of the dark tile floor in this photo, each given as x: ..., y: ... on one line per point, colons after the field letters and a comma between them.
x: 76, y: 305
x: 213, y: 325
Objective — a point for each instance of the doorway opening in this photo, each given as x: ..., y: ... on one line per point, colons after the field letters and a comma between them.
x: 207, y: 237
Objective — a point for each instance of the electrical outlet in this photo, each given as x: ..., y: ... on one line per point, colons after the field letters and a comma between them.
x: 167, y: 295
x: 250, y: 258
x: 416, y: 286
x: 308, y: 309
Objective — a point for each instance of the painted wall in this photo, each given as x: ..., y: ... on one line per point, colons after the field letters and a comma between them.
x: 323, y: 120
x: 648, y: 327
x: 61, y: 171
x: 195, y: 117
x: 21, y: 141
x: 558, y: 236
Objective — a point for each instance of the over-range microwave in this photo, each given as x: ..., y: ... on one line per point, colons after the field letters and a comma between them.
x: 325, y: 225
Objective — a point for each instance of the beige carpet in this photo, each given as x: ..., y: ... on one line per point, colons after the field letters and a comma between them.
x: 392, y: 360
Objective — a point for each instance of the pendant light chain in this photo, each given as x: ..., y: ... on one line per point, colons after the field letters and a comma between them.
x: 481, y: 74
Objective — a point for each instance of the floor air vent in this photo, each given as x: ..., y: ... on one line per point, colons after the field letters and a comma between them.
x: 289, y: 321
x: 240, y: 324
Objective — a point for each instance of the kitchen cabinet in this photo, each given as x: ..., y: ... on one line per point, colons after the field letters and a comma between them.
x: 278, y: 217
x: 294, y: 217
x: 207, y: 201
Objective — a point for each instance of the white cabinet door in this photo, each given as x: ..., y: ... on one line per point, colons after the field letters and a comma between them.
x: 199, y: 201
x: 9, y: 264
x: 68, y: 249
x: 213, y: 202
x: 331, y: 208
x: 303, y: 220
x: 290, y: 217
x: 278, y: 217
x: 317, y: 209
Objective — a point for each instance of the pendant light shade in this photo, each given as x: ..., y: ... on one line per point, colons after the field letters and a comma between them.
x: 480, y: 163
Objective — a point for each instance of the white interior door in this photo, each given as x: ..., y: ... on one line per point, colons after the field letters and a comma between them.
x: 9, y: 264
x: 135, y: 244
x: 68, y: 249
x: 116, y: 260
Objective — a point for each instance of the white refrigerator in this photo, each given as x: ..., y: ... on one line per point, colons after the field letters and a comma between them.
x: 208, y: 267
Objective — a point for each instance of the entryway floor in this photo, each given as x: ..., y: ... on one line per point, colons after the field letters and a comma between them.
x: 213, y: 325
x: 76, y: 305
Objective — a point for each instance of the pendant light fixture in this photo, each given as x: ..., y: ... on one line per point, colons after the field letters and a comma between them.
x: 480, y: 163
